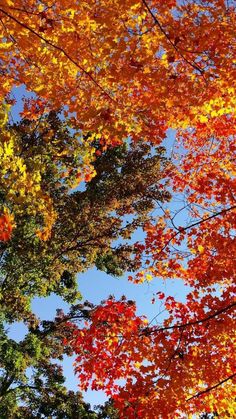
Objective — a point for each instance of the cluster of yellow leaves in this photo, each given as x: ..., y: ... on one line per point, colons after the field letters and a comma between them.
x: 19, y: 183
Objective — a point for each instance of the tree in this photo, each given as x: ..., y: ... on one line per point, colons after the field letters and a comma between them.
x: 60, y: 231
x: 122, y: 72
x: 31, y: 383
x: 176, y: 362
x: 181, y: 359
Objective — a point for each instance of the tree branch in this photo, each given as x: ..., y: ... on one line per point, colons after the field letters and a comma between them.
x: 211, y: 388
x: 193, y: 65
x: 191, y: 323
x: 180, y: 230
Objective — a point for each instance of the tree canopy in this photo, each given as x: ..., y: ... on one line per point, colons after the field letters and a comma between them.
x: 88, y: 164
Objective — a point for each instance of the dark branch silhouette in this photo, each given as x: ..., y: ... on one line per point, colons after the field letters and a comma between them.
x: 208, y: 389
x: 191, y: 323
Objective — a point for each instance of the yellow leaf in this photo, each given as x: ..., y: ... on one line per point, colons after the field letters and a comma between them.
x: 200, y: 248
x: 203, y: 118
x: 6, y: 45
x: 39, y: 88
x: 137, y: 364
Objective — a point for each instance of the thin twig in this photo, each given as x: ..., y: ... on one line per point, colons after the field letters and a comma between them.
x: 182, y: 229
x: 191, y: 323
x: 193, y: 65
x: 212, y: 387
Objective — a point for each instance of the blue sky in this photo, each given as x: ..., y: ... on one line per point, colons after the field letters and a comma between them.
x: 96, y: 286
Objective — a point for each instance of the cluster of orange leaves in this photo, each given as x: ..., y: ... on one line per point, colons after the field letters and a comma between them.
x: 201, y: 251
x: 122, y: 70
x: 6, y: 226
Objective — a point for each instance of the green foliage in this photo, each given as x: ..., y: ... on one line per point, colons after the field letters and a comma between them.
x: 31, y: 383
x: 107, y: 411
